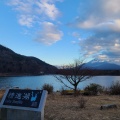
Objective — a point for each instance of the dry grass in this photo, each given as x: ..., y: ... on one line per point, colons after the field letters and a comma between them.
x: 67, y: 108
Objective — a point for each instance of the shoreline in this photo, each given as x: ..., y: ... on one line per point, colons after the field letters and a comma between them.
x: 27, y: 74
x: 18, y: 75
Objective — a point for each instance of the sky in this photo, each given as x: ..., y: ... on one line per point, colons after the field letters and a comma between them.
x: 60, y: 31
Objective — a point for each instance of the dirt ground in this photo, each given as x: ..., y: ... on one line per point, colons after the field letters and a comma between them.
x: 59, y: 107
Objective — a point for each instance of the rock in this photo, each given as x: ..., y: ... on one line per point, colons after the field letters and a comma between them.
x: 108, y: 106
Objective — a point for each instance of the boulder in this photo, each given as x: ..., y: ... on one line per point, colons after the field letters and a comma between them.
x: 108, y: 106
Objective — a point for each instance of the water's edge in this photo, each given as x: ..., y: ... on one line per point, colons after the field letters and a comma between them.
x: 36, y: 82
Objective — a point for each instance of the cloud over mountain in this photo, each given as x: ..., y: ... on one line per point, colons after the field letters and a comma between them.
x: 101, y: 19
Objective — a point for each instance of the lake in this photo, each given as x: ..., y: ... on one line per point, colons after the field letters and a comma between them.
x: 36, y: 82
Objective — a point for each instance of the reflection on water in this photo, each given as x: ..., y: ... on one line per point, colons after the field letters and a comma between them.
x: 36, y: 82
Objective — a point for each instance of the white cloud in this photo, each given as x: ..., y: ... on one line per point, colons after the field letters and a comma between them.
x: 50, y: 34
x: 99, y: 13
x: 111, y: 7
x: 26, y: 20
x: 102, y: 44
x: 35, y: 9
x: 22, y: 6
x: 44, y: 7
x: 102, y: 19
x: 31, y: 13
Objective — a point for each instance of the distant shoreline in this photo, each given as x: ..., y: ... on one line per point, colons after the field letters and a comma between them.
x: 17, y: 75
x: 27, y: 74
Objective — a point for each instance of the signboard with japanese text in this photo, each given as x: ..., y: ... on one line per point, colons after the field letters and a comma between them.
x: 24, y: 99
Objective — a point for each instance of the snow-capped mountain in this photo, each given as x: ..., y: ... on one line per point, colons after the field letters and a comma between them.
x: 102, y: 65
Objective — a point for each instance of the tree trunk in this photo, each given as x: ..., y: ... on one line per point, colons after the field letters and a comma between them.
x: 75, y: 90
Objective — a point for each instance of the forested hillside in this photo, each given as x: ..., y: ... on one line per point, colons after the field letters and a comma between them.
x: 13, y: 63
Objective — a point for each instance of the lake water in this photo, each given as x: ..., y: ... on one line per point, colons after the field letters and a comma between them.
x: 36, y: 82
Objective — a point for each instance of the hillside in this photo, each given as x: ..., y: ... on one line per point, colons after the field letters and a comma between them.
x: 13, y: 63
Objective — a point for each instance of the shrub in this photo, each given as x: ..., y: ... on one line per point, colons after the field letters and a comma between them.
x: 115, y: 88
x: 92, y: 89
x: 82, y: 102
x: 48, y: 87
x: 106, y: 90
x: 69, y: 92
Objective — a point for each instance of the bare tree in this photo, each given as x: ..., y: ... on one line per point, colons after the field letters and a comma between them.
x: 74, y: 74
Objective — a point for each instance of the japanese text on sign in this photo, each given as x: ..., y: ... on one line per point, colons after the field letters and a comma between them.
x: 23, y: 98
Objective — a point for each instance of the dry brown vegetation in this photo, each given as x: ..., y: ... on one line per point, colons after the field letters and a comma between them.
x: 66, y: 107
x: 59, y: 107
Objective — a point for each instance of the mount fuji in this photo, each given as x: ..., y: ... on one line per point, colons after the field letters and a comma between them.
x: 102, y: 65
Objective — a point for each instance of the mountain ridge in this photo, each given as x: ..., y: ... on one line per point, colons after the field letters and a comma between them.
x: 14, y: 63
x: 102, y: 65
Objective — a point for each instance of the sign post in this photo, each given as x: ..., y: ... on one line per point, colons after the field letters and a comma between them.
x: 20, y: 104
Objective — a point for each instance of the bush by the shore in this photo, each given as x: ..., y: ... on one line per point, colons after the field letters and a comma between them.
x: 48, y: 87
x: 115, y: 88
x: 93, y: 89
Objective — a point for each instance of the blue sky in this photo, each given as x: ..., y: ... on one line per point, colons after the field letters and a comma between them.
x: 60, y: 31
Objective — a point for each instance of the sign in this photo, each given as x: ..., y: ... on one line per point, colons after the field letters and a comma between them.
x: 24, y: 99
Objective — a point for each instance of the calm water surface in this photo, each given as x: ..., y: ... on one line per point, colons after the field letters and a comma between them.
x: 36, y: 82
